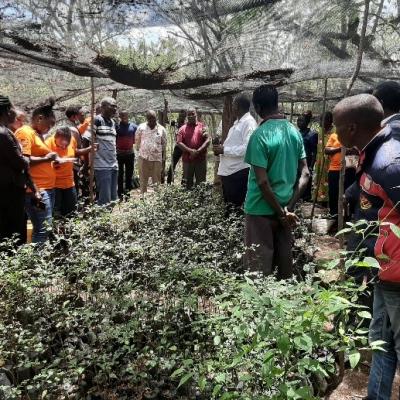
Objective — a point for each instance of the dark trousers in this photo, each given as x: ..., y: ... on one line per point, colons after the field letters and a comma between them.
x: 307, y: 196
x: 234, y: 187
x: 176, y: 156
x: 12, y: 213
x: 126, y: 164
x: 268, y: 245
x: 65, y: 202
x: 195, y: 170
x: 333, y: 185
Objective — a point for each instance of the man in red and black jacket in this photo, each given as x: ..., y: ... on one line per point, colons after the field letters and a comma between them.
x: 376, y: 197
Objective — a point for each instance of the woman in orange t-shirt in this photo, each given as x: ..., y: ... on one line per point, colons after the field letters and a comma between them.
x: 65, y: 145
x: 41, y: 169
x: 333, y: 149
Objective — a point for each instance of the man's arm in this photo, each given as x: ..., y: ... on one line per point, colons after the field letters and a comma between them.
x: 12, y: 153
x: 204, y: 145
x: 390, y: 182
x: 329, y: 151
x: 138, y: 138
x: 266, y: 190
x: 240, y: 150
x: 301, y: 184
x: 75, y: 133
x: 181, y: 145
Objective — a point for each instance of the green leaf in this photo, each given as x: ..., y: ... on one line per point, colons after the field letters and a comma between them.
x: 368, y: 262
x: 378, y: 345
x: 283, y: 344
x: 343, y: 231
x: 185, y: 378
x: 217, y: 340
x: 304, y: 342
x: 364, y: 314
x: 178, y: 372
x: 354, y: 358
x: 216, y: 390
x: 383, y: 257
x: 202, y: 383
x: 395, y: 229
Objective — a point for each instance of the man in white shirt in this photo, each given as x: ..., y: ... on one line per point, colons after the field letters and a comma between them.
x: 232, y: 168
x: 151, y: 142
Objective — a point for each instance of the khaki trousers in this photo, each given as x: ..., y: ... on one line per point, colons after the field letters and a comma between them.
x: 272, y: 244
x: 149, y: 169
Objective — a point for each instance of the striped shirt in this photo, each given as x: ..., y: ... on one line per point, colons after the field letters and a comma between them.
x: 106, y: 155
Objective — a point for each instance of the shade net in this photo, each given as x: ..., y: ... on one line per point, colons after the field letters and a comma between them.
x: 193, y: 53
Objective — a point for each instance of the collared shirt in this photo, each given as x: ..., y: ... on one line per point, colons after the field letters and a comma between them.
x: 151, y: 142
x: 193, y: 137
x: 235, y: 146
x: 125, y: 137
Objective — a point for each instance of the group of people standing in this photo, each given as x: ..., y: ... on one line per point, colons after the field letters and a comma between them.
x: 265, y: 168
x: 277, y: 157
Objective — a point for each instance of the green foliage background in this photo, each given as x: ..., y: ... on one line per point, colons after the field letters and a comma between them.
x: 150, y: 301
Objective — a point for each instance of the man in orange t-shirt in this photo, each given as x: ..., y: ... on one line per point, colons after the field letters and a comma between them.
x: 65, y: 145
x: 333, y: 149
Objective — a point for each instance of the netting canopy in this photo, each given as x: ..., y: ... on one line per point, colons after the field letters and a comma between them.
x: 196, y: 52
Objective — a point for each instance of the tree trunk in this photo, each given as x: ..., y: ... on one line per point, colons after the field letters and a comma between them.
x: 93, y: 140
x: 360, y: 48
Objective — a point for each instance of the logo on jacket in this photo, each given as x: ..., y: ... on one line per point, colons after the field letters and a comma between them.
x: 365, y: 204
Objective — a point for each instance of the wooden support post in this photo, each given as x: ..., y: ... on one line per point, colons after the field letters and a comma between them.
x: 291, y: 111
x: 341, y: 193
x: 321, y: 171
x: 93, y: 140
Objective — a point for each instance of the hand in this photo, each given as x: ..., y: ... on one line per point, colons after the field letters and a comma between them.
x: 292, y: 219
x: 289, y: 219
x: 352, y: 152
x: 218, y: 149
x: 193, y: 153
x: 51, y: 156
x: 95, y: 147
x: 37, y: 195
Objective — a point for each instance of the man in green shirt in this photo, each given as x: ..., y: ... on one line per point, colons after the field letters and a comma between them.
x: 278, y: 177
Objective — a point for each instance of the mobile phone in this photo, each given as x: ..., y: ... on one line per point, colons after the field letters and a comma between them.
x: 216, y: 140
x: 38, y: 203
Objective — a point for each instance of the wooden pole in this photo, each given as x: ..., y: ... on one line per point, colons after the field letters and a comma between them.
x: 93, y: 140
x: 349, y: 87
x: 321, y: 172
x: 291, y: 111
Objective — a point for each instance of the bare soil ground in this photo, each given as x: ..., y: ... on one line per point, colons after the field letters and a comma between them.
x: 354, y: 387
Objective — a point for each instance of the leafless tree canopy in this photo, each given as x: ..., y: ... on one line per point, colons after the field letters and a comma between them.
x: 220, y: 46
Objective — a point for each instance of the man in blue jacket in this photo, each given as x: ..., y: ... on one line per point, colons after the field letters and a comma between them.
x: 376, y: 196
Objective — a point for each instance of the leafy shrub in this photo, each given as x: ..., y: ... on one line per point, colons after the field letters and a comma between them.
x: 150, y: 301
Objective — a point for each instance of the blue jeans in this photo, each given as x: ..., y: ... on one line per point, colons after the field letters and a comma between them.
x: 66, y: 200
x: 106, y: 183
x: 41, y: 219
x: 385, y: 325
